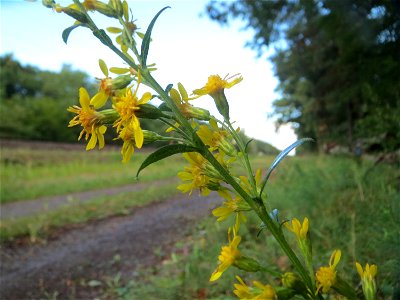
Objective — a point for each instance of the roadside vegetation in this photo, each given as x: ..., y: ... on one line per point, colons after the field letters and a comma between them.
x: 353, y: 207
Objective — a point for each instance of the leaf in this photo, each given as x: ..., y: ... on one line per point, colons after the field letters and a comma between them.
x: 168, y: 88
x: 125, y: 9
x: 165, y: 152
x: 67, y: 32
x: 119, y: 71
x: 281, y: 156
x: 114, y: 30
x: 147, y: 37
x: 103, y: 67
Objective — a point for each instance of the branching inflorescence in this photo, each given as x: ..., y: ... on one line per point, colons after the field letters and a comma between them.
x: 210, y: 145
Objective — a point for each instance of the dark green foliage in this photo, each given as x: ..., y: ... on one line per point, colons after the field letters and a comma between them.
x: 33, y: 103
x: 165, y: 152
x: 338, y: 63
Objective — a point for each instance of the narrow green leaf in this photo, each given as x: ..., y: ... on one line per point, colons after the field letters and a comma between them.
x: 165, y: 152
x: 147, y: 37
x: 119, y: 71
x: 67, y: 31
x: 140, y: 34
x: 247, y: 144
x: 281, y: 156
x: 168, y: 88
x: 103, y: 67
x: 114, y: 30
x: 125, y: 9
x: 183, y: 91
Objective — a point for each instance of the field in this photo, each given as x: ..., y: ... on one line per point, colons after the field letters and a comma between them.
x: 352, y: 206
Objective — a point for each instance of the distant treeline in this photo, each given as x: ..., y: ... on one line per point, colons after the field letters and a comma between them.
x: 33, y: 104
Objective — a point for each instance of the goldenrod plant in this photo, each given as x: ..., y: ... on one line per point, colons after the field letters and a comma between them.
x: 211, y: 145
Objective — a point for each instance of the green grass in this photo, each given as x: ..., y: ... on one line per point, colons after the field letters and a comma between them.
x: 38, y: 227
x: 353, y: 208
x: 31, y: 173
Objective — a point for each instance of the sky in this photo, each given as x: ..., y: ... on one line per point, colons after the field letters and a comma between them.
x: 186, y: 46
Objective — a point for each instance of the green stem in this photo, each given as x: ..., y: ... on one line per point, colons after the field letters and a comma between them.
x: 245, y: 157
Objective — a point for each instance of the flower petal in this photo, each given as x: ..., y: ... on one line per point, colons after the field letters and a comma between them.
x: 99, y: 99
x: 84, y: 98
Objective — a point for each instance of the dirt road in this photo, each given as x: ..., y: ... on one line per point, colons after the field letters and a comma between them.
x: 89, y: 252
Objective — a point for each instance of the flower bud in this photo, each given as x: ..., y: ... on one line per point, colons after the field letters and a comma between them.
x: 117, y: 5
x: 211, y: 171
x: 151, y: 137
x: 76, y: 14
x: 121, y: 82
x: 108, y: 116
x: 189, y: 111
x: 48, y: 3
x: 213, y: 186
x: 222, y: 103
x: 227, y: 147
x: 247, y: 264
x: 148, y: 111
x: 105, y: 9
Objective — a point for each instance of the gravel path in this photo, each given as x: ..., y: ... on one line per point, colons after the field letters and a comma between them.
x: 32, y: 272
x: 24, y: 208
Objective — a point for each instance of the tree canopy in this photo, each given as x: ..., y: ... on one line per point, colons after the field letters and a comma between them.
x: 33, y: 102
x: 338, y: 65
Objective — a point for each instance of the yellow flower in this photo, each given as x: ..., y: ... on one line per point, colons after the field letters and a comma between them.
x: 216, y: 84
x: 89, y: 4
x: 89, y: 119
x: 326, y: 276
x: 127, y: 106
x: 369, y: 273
x: 300, y: 230
x: 109, y: 85
x: 246, y: 185
x: 259, y: 291
x: 267, y: 292
x: 215, y: 87
x: 368, y: 280
x: 228, y: 255
x: 216, y: 138
x: 242, y: 291
x: 230, y: 207
x: 200, y: 175
x: 127, y: 136
x: 129, y: 142
x: 181, y: 100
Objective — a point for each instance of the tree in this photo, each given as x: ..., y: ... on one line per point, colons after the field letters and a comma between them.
x: 338, y: 64
x: 33, y: 102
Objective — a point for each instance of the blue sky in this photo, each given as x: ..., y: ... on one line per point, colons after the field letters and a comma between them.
x: 186, y: 47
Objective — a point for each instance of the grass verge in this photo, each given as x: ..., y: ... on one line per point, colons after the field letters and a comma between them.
x: 32, y: 173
